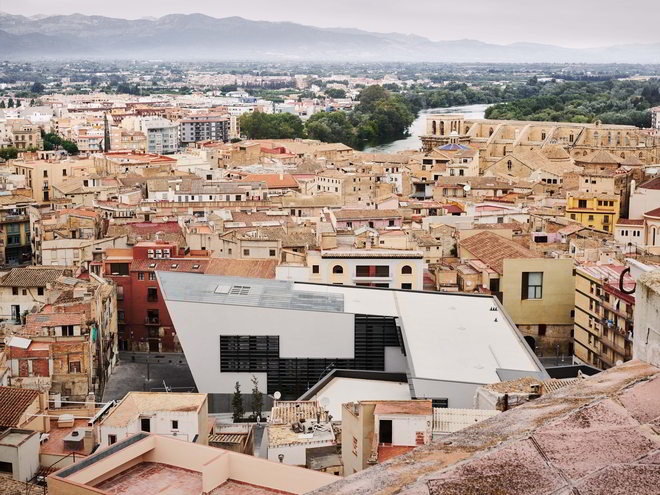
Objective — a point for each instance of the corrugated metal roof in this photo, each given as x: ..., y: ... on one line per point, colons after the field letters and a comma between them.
x: 264, y: 293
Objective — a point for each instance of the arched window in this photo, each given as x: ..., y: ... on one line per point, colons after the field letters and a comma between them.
x: 442, y: 128
x: 337, y: 269
x: 406, y: 270
x: 653, y: 243
x: 571, y: 137
x: 509, y: 165
x: 433, y: 127
x: 623, y: 155
x: 543, y: 135
x: 490, y: 132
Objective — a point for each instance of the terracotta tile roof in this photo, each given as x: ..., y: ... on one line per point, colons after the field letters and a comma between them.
x: 630, y: 221
x: 366, y: 214
x: 599, y: 157
x: 13, y: 403
x: 273, y: 181
x: 589, y: 438
x: 170, y: 265
x: 653, y: 213
x: 32, y: 276
x: 242, y: 268
x: 651, y: 184
x: 493, y: 249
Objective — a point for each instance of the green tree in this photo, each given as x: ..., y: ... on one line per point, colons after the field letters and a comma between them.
x: 332, y: 127
x: 2, y: 104
x: 37, y: 88
x: 335, y: 93
x: 8, y: 153
x: 259, y: 125
x: 10, y: 103
x: 257, y: 398
x: 237, y: 404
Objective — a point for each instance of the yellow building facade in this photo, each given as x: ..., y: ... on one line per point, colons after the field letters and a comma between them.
x: 596, y: 211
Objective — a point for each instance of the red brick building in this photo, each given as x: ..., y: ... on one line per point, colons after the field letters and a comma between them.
x: 144, y: 323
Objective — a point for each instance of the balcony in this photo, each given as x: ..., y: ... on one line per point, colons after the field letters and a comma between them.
x: 152, y: 320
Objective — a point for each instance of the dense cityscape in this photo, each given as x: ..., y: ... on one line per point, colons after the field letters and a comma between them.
x: 336, y: 272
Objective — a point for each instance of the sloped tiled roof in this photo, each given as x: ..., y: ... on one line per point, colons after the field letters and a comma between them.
x: 493, y: 249
x: 591, y: 437
x: 242, y: 268
x: 366, y: 214
x: 13, y: 403
x: 599, y: 157
x: 31, y: 276
x: 651, y: 184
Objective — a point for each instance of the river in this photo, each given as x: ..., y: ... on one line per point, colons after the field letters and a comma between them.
x: 418, y: 127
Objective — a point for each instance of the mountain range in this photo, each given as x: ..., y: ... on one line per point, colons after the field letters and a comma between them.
x: 200, y: 37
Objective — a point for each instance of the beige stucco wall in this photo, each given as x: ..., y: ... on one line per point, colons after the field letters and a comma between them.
x: 557, y: 302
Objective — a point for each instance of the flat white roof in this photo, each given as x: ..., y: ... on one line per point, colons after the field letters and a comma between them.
x: 457, y: 338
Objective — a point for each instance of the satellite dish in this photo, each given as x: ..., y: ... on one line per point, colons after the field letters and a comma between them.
x: 324, y: 402
x: 467, y: 187
x: 277, y: 395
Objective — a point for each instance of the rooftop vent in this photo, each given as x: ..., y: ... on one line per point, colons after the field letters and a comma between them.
x: 240, y: 290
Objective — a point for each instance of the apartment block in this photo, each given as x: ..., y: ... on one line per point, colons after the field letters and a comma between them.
x: 603, y: 315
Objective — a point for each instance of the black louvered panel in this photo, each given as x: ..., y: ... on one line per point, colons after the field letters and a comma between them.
x: 293, y: 377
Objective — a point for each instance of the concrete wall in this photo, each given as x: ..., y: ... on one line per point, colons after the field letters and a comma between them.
x: 303, y: 334
x: 646, y: 343
x: 22, y: 453
x: 406, y: 427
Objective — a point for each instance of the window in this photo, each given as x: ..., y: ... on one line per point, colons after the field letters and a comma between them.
x: 112, y: 439
x: 542, y: 329
x: 152, y: 275
x: 40, y: 291
x: 145, y: 424
x: 152, y: 294
x: 406, y: 286
x: 14, y: 291
x: 246, y: 252
x: 140, y: 275
x: 509, y: 165
x: 271, y: 252
x: 119, y: 268
x: 45, y: 173
x: 582, y: 203
x: 315, y: 268
x: 337, y: 269
x: 175, y: 424
x: 74, y: 367
x: 67, y: 331
x: 406, y: 270
x: 248, y: 353
x: 64, y: 172
x: 532, y: 285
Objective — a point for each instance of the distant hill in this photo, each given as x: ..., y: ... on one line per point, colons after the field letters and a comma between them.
x: 200, y: 37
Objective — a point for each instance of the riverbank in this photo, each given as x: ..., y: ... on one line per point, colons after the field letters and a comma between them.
x: 418, y: 128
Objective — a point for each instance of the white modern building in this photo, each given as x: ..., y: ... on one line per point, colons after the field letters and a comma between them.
x: 180, y: 415
x: 289, y: 335
x: 162, y: 135
x: 383, y: 268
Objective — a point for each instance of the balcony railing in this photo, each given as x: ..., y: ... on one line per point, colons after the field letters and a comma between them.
x: 153, y: 320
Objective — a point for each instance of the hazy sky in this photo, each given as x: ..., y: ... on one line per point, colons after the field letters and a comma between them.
x: 575, y: 23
